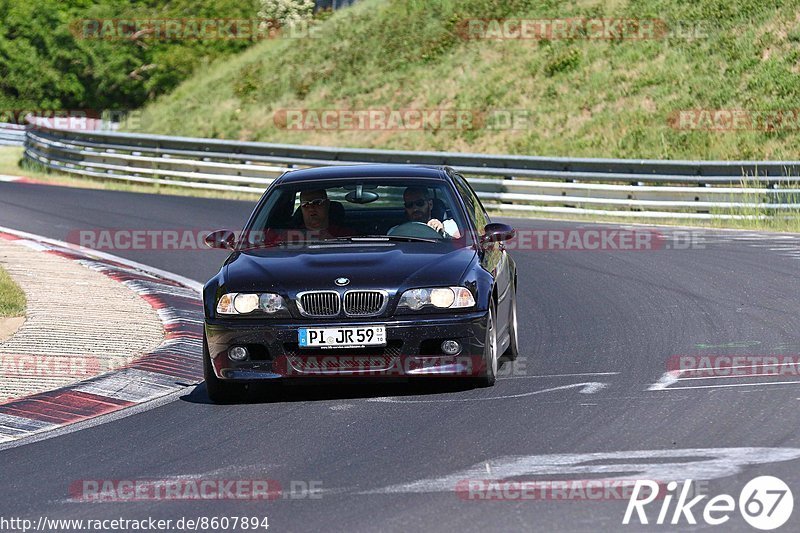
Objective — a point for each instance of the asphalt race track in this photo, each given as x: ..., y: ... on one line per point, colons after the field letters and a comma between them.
x: 598, y: 330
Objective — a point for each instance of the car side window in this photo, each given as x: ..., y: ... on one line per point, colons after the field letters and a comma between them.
x: 474, y: 207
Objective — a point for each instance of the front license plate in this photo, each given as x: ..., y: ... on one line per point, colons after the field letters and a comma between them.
x: 342, y: 337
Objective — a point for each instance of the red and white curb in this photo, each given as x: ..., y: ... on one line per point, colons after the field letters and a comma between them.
x: 20, y: 179
x: 172, y: 366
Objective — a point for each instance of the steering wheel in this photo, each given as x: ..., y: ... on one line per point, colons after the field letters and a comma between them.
x: 415, y: 229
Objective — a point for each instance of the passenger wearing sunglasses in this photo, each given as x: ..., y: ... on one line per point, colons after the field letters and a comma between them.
x: 419, y: 204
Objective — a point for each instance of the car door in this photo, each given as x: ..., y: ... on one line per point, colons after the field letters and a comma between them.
x: 494, y: 257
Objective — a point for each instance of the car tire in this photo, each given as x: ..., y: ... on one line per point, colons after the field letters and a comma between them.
x: 218, y: 390
x: 490, y: 356
x: 512, y: 351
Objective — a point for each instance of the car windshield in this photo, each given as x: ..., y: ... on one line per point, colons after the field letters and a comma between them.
x: 363, y: 210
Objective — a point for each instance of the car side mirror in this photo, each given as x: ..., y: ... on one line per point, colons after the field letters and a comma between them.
x: 222, y: 239
x: 497, y: 232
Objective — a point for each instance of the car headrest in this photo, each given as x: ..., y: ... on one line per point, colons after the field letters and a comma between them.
x: 439, y: 210
x: 335, y: 215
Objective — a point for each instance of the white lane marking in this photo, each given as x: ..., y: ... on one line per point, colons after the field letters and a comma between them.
x: 593, y: 387
x: 673, y: 376
x: 108, y: 257
x: 734, y: 376
x: 586, y: 388
x: 737, y: 366
x: 691, y: 463
x: 561, y: 375
x: 667, y: 379
x: 7, y: 178
x: 764, y: 384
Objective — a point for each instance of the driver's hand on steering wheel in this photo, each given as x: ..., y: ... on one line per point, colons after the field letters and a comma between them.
x: 436, y: 224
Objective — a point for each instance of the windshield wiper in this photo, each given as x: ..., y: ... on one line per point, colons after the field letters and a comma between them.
x: 373, y: 238
x: 259, y: 246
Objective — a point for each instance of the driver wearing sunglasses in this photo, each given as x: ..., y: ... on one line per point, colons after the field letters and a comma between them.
x: 419, y: 204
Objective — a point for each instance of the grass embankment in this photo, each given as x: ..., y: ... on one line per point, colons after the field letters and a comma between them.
x: 12, y: 299
x: 594, y: 98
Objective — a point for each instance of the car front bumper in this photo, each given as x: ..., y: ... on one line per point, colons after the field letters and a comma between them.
x: 413, y: 349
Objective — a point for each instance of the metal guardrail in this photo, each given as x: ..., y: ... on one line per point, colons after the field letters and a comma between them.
x: 12, y: 134
x: 619, y: 187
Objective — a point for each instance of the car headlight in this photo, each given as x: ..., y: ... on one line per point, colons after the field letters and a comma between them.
x: 241, y: 303
x: 439, y: 297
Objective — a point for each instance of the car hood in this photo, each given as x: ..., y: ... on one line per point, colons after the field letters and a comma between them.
x: 391, y: 266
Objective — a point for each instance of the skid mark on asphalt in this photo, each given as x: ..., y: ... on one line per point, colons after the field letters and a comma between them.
x: 787, y: 245
x: 784, y: 244
x: 736, y: 344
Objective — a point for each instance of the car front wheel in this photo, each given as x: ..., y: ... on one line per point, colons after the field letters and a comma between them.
x: 490, y: 352
x: 513, y: 331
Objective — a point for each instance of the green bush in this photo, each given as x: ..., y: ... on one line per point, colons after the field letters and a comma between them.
x: 45, y: 63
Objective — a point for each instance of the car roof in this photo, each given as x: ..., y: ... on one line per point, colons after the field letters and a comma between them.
x: 365, y: 171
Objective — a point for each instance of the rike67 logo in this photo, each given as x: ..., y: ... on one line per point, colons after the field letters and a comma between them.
x: 765, y: 503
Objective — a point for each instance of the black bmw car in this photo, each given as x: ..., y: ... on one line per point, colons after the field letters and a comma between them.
x: 370, y: 270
